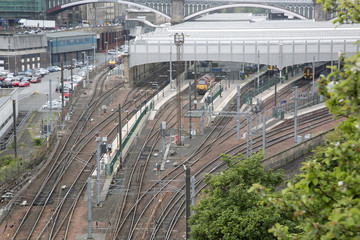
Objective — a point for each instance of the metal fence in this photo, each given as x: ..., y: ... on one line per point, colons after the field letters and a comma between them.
x: 13, y: 169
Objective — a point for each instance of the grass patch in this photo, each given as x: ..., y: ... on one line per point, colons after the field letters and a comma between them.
x: 38, y: 141
x: 6, y: 160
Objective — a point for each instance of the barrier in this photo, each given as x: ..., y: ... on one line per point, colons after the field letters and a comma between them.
x: 124, y: 143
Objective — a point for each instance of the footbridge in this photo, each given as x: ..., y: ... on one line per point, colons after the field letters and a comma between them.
x: 281, y: 43
x: 190, y: 9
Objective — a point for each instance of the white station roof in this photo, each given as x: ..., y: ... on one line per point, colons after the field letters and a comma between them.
x: 279, y: 43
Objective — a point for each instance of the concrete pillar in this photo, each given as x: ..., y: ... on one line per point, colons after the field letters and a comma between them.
x: 320, y: 15
x: 126, y: 70
x: 177, y: 11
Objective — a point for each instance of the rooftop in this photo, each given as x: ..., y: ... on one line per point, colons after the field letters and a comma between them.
x: 256, y: 31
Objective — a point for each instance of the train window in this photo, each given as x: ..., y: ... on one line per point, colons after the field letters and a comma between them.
x: 201, y: 82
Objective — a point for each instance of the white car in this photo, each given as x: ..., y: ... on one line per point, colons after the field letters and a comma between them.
x: 113, y: 52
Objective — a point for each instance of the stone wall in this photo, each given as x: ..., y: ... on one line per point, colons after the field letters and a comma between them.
x: 280, y: 160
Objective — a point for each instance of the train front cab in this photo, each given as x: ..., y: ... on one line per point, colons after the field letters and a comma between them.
x: 201, y: 86
x: 308, y: 73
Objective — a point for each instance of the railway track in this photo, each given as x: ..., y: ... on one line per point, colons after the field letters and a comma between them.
x: 145, y: 213
x: 59, y: 186
x: 64, y: 161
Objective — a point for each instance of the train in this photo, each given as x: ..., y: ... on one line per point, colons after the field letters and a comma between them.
x: 319, y: 67
x: 112, y: 63
x: 204, y: 83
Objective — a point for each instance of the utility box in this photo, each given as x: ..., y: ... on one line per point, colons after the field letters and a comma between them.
x: 282, y: 115
x: 307, y: 136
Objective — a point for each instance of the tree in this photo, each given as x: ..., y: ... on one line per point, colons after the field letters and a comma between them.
x: 325, y: 198
x: 227, y: 210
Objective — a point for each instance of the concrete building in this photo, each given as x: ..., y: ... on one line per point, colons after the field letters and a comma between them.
x: 19, y: 52
x: 106, y: 34
x: 6, y: 108
x: 65, y: 46
x: 11, y: 11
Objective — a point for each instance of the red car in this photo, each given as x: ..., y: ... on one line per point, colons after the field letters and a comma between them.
x: 66, y: 93
x: 24, y: 84
x: 15, y: 83
x: 35, y: 79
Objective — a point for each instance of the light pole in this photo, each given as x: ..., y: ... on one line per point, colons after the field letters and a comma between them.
x: 116, y: 47
x: 106, y: 52
x: 43, y: 17
x: 86, y: 58
x: 50, y: 51
x: 179, y: 41
x: 9, y: 57
x: 94, y: 47
x: 187, y: 198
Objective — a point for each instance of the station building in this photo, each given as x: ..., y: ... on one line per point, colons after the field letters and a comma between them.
x: 19, y: 52
x: 65, y: 46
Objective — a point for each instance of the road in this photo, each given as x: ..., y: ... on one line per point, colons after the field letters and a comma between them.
x: 35, y: 96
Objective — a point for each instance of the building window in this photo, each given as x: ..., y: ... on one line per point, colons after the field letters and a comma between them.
x: 33, y: 65
x: 2, y: 62
x: 28, y: 60
x: 22, y: 60
x: 28, y: 66
x: 22, y: 67
x: 38, y: 65
x: 38, y: 58
x: 33, y: 59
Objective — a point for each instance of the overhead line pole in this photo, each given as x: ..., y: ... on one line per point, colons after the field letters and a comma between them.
x: 179, y: 41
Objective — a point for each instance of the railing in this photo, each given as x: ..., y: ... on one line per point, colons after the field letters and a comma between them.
x: 5, y: 144
x: 126, y: 140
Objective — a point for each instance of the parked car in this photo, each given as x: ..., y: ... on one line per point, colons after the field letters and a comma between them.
x: 66, y: 92
x: 15, y: 83
x: 6, y: 84
x: 19, y: 77
x: 51, y: 69
x: 35, y: 79
x: 24, y: 84
x: 113, y: 52
x: 66, y: 85
x: 26, y: 79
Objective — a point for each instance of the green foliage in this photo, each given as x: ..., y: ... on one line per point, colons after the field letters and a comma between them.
x: 37, y: 141
x: 347, y: 11
x: 228, y: 210
x: 324, y: 198
x: 6, y: 160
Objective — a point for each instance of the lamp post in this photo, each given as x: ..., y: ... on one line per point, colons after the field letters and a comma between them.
x: 9, y: 57
x: 86, y: 58
x: 187, y: 198
x: 179, y: 41
x: 43, y: 17
x: 94, y: 47
x: 50, y: 51
x: 106, y: 52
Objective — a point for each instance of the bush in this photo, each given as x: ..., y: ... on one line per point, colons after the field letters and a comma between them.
x: 7, y: 160
x: 38, y: 141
